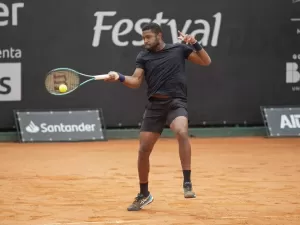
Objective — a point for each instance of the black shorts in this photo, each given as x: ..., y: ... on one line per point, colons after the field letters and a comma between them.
x: 161, y: 112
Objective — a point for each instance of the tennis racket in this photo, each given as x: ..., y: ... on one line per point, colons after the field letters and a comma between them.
x: 69, y: 78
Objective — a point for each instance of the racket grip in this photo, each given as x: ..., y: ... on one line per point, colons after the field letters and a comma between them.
x: 101, y: 77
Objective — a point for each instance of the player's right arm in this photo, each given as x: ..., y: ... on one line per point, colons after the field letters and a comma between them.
x: 133, y: 81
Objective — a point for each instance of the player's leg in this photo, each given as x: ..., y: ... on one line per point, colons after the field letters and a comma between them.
x: 178, y: 120
x: 147, y: 142
x: 152, y: 126
x: 180, y: 128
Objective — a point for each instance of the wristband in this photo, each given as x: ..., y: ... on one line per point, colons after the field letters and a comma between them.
x: 197, y: 46
x: 121, y: 77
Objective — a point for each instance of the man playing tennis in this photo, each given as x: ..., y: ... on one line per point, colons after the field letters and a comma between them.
x: 163, y: 67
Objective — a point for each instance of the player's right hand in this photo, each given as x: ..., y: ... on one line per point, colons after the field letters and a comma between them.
x: 113, y: 77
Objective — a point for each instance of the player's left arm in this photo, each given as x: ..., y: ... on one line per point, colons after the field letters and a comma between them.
x: 198, y: 55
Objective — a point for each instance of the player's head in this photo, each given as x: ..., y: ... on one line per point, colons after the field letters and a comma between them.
x: 152, y: 35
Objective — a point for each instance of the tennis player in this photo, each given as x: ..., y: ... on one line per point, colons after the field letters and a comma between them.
x: 163, y: 67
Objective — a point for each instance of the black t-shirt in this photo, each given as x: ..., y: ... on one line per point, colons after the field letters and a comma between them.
x: 165, y: 70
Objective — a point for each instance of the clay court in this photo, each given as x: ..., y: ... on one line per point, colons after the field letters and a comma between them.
x: 237, y: 181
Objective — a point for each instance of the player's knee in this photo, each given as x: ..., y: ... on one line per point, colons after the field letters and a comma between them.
x: 145, y: 148
x: 182, y: 134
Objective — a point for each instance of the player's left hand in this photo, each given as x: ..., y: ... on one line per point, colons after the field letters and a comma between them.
x: 188, y: 39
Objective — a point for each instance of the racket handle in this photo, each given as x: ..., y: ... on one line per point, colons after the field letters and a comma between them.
x: 101, y: 77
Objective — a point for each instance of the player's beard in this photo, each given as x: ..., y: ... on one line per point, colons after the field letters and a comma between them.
x: 154, y: 46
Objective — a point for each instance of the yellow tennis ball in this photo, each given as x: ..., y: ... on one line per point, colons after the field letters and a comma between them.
x: 63, y: 88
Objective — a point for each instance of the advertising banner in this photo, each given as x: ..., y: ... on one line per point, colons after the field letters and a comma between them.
x: 56, y: 126
x: 282, y: 121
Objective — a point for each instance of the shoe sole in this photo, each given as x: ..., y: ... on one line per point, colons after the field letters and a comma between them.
x: 190, y: 196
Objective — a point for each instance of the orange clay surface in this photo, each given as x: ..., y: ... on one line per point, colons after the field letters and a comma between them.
x: 237, y: 181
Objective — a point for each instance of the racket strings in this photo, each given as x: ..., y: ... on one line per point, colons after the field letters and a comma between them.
x: 57, y: 78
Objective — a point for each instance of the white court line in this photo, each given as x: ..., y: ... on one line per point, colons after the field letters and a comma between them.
x: 295, y: 19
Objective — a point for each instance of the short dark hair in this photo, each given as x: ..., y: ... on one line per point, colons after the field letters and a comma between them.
x: 154, y: 27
